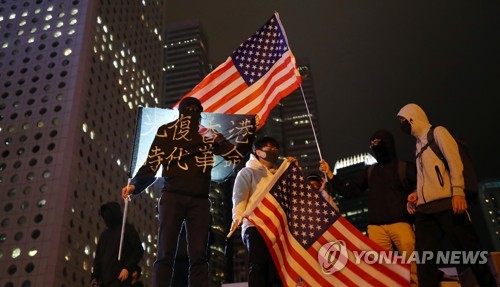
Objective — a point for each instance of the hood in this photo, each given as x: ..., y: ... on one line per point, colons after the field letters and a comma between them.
x: 384, y: 147
x: 111, y: 212
x: 417, y: 118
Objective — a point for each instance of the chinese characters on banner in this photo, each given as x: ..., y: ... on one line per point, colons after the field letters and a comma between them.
x: 233, y: 127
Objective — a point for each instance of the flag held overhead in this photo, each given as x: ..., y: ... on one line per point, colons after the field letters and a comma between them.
x: 258, y: 74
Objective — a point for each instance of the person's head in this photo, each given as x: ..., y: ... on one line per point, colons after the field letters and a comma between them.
x: 315, y: 180
x: 266, y: 149
x: 413, y: 120
x: 191, y: 107
x: 111, y: 212
x: 383, y: 146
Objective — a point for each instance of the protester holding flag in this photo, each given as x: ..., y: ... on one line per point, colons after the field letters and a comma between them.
x: 107, y: 270
x: 310, y: 242
x: 320, y: 183
x: 186, y: 154
x: 388, y: 183
x: 257, y: 173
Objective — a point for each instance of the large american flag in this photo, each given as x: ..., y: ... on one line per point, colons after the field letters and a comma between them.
x: 259, y: 73
x: 296, y: 222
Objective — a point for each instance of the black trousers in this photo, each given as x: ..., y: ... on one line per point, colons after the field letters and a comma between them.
x: 174, y: 209
x: 261, y: 269
x: 430, y: 229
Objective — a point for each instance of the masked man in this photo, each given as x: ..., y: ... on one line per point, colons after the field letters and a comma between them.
x: 257, y: 172
x: 389, y: 182
x: 441, y: 207
x: 186, y: 152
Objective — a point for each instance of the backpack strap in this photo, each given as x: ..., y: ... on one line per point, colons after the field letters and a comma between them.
x: 431, y: 141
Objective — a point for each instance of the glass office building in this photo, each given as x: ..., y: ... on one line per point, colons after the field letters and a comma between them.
x: 72, y: 74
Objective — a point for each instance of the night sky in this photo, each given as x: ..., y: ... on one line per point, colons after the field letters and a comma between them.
x: 370, y: 58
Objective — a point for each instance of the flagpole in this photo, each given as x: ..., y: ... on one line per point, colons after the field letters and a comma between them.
x: 124, y: 221
x: 310, y: 120
x: 312, y: 126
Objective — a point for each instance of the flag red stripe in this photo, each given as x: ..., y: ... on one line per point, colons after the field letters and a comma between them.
x: 352, y: 264
x: 313, y: 271
x: 293, y: 259
x: 287, y: 71
x: 287, y: 91
x: 273, y: 229
x: 213, y: 77
x: 384, y: 269
x: 290, y: 255
x: 322, y: 240
x: 258, y: 93
x: 218, y: 86
x: 340, y: 276
x: 373, y: 246
x: 272, y: 90
x: 222, y: 99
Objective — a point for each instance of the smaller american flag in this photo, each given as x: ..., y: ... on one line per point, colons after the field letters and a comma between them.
x: 296, y: 221
x: 258, y: 74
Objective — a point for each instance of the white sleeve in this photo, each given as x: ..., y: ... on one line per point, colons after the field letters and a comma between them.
x: 241, y: 191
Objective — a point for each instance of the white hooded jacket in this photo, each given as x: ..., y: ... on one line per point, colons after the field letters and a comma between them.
x: 253, y: 176
x: 434, y: 181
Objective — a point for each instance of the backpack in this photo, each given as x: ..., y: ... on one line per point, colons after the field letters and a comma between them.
x: 471, y: 189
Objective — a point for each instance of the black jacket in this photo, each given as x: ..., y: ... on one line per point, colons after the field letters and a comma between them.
x: 387, y: 196
x: 106, y: 266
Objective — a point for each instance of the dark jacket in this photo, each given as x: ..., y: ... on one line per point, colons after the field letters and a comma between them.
x: 106, y: 267
x: 387, y: 196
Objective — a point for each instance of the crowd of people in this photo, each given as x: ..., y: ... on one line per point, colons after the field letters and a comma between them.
x: 411, y: 205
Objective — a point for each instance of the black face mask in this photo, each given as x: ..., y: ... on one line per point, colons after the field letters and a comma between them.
x: 194, y: 115
x: 382, y: 153
x: 406, y: 127
x: 272, y: 156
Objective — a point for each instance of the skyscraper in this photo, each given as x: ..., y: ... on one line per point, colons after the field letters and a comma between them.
x: 186, y: 59
x: 298, y: 135
x: 72, y: 74
x: 185, y: 65
x: 354, y: 209
x: 489, y: 201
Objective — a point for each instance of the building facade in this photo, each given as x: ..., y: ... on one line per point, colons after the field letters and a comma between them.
x: 72, y: 74
x: 185, y: 65
x: 298, y: 121
x: 186, y: 59
x: 489, y: 202
x: 354, y: 209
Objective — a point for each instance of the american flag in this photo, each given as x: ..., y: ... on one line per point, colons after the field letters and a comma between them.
x: 296, y: 222
x: 259, y: 73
